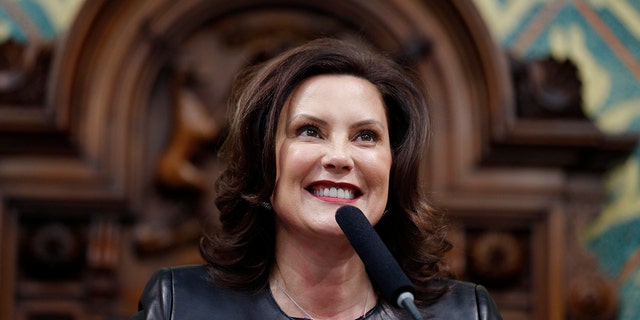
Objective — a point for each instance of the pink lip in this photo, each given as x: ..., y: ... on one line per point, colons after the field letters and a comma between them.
x: 326, y: 183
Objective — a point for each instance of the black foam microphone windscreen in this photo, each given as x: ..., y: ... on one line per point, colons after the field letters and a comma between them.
x: 379, y: 262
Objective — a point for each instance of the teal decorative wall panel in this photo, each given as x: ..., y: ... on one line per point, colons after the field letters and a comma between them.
x: 9, y: 28
x: 602, y: 37
x: 35, y: 20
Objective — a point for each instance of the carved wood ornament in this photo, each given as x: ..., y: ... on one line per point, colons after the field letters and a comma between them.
x: 107, y: 173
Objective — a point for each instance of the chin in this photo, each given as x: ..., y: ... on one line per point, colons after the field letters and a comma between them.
x: 330, y: 228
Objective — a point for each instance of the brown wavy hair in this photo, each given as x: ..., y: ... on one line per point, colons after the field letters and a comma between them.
x: 240, y: 250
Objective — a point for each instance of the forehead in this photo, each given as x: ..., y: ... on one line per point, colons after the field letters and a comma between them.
x: 335, y: 93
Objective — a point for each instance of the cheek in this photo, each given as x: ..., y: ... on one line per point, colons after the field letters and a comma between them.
x: 379, y: 166
x: 293, y: 162
x: 376, y: 171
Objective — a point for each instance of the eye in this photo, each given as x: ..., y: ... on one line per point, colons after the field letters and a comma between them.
x: 308, y: 130
x: 367, y: 136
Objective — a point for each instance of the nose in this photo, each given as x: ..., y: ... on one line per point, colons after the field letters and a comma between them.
x: 337, y: 158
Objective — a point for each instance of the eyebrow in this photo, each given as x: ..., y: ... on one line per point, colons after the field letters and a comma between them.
x: 306, y: 117
x: 322, y: 122
x: 369, y: 122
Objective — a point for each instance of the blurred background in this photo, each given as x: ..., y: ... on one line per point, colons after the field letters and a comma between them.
x: 111, y: 113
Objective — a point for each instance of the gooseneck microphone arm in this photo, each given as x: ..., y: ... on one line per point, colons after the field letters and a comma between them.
x: 394, y: 285
x: 406, y: 301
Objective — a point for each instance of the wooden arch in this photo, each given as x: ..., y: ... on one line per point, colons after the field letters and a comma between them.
x: 114, y: 54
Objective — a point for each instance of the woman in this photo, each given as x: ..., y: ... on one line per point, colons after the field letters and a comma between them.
x: 321, y: 126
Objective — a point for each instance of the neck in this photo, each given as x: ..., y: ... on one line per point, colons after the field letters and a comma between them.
x: 327, y: 281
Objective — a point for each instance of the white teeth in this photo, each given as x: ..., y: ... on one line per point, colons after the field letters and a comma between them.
x: 334, y: 193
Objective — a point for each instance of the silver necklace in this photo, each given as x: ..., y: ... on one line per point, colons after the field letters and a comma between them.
x: 307, y: 314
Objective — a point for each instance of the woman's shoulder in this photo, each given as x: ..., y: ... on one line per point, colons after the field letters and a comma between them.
x: 464, y: 300
x: 187, y: 275
x: 183, y: 282
x: 189, y: 292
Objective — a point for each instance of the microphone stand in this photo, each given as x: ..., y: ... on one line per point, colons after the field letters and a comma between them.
x: 405, y: 300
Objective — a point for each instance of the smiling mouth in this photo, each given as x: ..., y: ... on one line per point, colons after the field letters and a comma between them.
x: 336, y: 192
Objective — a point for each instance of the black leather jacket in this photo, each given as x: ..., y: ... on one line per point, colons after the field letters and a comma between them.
x: 188, y: 293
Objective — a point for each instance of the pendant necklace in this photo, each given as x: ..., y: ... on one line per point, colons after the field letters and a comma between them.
x: 307, y: 314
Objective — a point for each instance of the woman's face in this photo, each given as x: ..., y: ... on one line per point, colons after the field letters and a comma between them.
x: 332, y: 149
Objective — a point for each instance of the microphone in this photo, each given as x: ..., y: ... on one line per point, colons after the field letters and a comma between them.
x: 394, y: 285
